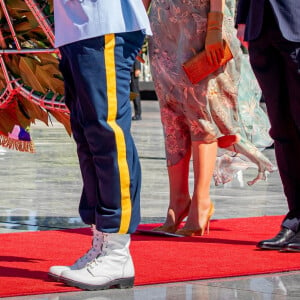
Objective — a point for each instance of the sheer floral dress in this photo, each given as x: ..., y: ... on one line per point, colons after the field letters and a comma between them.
x: 203, y: 111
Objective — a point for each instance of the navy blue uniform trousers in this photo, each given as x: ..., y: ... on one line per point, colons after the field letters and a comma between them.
x: 97, y: 79
x: 276, y: 64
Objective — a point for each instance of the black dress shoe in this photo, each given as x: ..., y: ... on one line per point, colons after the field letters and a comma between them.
x: 293, y: 245
x: 284, y: 236
x: 136, y: 118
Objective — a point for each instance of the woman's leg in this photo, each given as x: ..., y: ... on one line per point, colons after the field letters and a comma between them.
x: 178, y: 155
x: 179, y: 191
x: 204, y: 158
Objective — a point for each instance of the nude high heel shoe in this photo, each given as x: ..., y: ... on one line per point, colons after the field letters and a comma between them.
x: 173, y: 228
x: 193, y: 232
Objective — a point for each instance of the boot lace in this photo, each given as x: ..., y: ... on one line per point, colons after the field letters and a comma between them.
x: 95, y: 250
x: 98, y: 259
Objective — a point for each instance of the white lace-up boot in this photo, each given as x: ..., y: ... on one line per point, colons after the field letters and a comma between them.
x: 55, y: 271
x: 112, y: 268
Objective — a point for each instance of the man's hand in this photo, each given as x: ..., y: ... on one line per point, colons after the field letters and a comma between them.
x: 241, y: 33
x: 214, y: 42
x: 137, y: 73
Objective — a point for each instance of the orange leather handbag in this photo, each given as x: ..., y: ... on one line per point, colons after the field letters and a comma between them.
x: 198, y: 67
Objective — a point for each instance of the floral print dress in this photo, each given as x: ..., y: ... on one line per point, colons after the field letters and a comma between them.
x: 206, y: 110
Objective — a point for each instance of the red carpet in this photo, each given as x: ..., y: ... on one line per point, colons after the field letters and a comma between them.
x: 229, y: 250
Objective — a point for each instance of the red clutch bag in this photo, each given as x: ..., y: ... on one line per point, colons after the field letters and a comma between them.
x: 198, y: 67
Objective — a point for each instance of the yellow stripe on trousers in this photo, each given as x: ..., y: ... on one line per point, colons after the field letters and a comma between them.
x: 111, y: 83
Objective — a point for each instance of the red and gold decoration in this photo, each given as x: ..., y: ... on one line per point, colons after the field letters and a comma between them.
x: 31, y: 85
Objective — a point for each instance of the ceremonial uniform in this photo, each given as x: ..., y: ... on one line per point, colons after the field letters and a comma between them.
x: 99, y: 41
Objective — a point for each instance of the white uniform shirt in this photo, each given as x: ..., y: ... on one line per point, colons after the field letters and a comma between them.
x: 77, y: 20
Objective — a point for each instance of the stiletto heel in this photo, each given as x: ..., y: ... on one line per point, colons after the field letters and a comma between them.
x: 210, y: 213
x: 201, y: 231
x: 173, y: 228
x: 207, y: 227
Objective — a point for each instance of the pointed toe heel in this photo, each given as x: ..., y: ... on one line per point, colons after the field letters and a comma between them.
x: 199, y: 231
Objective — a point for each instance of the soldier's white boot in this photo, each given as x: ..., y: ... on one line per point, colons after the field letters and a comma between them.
x: 112, y: 268
x: 93, y: 252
